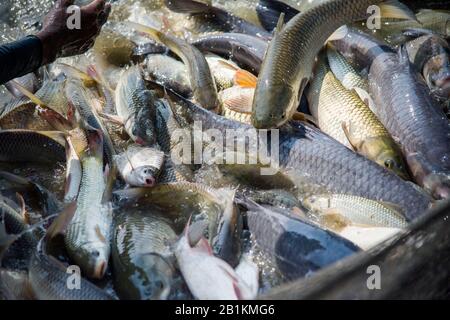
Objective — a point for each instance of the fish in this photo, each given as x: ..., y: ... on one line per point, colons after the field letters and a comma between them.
x: 407, y: 110
x: 289, y: 60
x: 227, y: 74
x: 202, y: 82
x: 247, y: 51
x: 88, y: 234
x: 45, y: 147
x: 142, y: 260
x: 298, y: 246
x: 420, y: 251
x: 140, y: 166
x: 430, y: 54
x: 345, y: 117
x: 49, y: 279
x: 226, y: 20
x: 182, y: 199
x: 168, y: 72
x: 314, y: 161
x: 357, y: 210
x: 208, y: 277
x: 132, y: 102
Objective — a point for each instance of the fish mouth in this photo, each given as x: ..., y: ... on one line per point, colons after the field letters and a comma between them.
x: 149, y: 182
x: 444, y: 86
x: 99, y: 270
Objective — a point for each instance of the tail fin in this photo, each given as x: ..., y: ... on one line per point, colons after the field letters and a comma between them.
x: 189, y: 6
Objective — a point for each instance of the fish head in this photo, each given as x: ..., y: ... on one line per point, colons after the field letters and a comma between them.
x: 93, y: 258
x: 386, y: 153
x: 273, y: 105
x: 160, y: 274
x: 144, y: 176
x: 437, y: 71
x: 438, y: 184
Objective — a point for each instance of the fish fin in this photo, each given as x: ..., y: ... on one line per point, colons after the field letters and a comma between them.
x: 237, y: 291
x: 280, y: 24
x: 397, y: 10
x: 340, y: 33
x: 153, y: 33
x: 204, y: 246
x: 348, y: 134
x: 365, y: 97
x: 393, y: 206
x: 92, y: 72
x: 60, y: 224
x: 196, y: 231
x: 296, y: 211
x: 189, y: 6
x: 237, y: 104
x: 111, y: 118
x: 245, y: 79
x: 58, y: 136
x: 413, y: 33
x: 403, y: 55
x: 27, y: 93
x: 76, y: 73
x: 23, y: 209
x: 56, y: 120
x: 300, y: 116
x: 228, y: 65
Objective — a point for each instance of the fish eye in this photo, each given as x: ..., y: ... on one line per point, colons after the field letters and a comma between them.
x: 389, y: 164
x: 95, y: 253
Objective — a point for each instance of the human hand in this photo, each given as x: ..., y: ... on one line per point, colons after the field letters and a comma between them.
x: 60, y: 41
